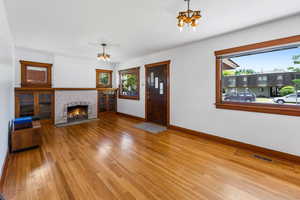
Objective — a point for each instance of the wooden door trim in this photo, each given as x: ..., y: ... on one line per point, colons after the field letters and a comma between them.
x: 147, y: 66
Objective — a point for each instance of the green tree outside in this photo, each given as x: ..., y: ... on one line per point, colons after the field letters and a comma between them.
x: 228, y: 73
x: 238, y: 72
x: 104, y: 78
x: 129, y: 84
x: 296, y: 59
x: 286, y: 90
x: 244, y: 72
x: 294, y: 69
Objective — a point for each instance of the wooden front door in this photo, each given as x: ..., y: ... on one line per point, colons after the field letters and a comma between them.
x: 157, y: 93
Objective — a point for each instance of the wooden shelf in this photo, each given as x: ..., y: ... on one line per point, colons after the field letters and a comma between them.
x: 34, y: 89
x: 107, y: 89
x: 54, y: 89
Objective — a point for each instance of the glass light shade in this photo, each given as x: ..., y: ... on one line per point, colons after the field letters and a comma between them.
x: 182, y: 16
x: 194, y: 23
x: 104, y: 57
x: 196, y: 15
x: 180, y: 23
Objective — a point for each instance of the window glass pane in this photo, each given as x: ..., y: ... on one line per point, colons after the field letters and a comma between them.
x: 129, y: 84
x: 104, y: 78
x: 265, y: 77
x: 26, y: 105
x: 36, y: 74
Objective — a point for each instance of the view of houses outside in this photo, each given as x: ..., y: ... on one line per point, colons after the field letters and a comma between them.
x: 270, y: 77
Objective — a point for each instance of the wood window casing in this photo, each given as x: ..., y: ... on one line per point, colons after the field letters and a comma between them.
x: 24, y: 79
x: 98, y: 84
x: 135, y: 71
x: 293, y: 110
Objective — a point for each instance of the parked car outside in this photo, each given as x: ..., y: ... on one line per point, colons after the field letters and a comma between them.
x: 240, y: 97
x: 291, y: 98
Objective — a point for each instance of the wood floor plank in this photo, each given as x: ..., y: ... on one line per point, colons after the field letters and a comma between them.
x: 109, y: 159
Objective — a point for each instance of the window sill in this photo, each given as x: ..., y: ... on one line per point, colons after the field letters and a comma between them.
x: 129, y: 97
x: 291, y: 110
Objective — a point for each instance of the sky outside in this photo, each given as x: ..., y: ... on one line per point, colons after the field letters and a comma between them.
x: 267, y: 62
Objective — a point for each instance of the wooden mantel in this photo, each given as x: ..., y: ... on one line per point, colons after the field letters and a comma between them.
x: 57, y: 89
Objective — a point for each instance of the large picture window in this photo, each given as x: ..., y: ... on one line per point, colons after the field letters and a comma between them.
x: 129, y: 81
x: 263, y: 77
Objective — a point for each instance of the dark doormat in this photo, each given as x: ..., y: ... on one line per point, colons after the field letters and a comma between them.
x: 150, y: 127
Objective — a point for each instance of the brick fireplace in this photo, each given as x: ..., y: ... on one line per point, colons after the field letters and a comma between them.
x: 77, y: 113
x: 75, y: 105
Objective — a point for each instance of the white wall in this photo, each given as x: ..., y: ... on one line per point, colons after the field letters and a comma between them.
x: 29, y: 55
x: 76, y: 72
x: 6, y: 83
x: 193, y: 91
x: 67, y: 71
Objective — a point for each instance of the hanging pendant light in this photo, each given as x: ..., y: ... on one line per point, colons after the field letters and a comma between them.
x: 189, y: 17
x: 103, y: 56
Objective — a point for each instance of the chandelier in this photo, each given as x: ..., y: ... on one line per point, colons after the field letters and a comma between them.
x: 189, y: 17
x: 103, y: 56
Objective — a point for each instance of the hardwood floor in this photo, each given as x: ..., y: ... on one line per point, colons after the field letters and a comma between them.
x: 109, y: 159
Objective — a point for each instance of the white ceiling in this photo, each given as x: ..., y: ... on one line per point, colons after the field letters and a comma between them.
x: 6, y: 43
x: 139, y: 26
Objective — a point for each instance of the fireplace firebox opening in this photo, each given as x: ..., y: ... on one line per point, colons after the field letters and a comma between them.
x: 77, y: 113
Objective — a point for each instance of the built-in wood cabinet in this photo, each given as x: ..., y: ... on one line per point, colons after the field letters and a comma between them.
x: 107, y: 100
x: 34, y: 103
x: 40, y: 102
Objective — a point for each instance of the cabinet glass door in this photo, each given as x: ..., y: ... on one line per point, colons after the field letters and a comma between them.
x: 112, y: 101
x: 45, y: 106
x: 101, y: 102
x: 26, y: 104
